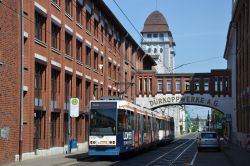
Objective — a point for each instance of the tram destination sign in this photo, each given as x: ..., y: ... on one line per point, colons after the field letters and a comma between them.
x: 193, y: 100
x: 103, y: 105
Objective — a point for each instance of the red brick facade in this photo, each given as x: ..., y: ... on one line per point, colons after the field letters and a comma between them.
x: 218, y: 82
x: 241, y: 18
x: 9, y: 79
x: 57, y: 67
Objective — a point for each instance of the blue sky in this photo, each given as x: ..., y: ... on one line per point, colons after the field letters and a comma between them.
x: 199, y: 28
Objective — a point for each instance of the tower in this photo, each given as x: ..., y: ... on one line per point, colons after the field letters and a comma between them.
x: 158, y: 42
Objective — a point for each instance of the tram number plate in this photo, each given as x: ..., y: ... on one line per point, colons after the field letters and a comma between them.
x: 103, y: 142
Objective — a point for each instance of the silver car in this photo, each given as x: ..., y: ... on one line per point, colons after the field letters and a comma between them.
x: 208, y: 140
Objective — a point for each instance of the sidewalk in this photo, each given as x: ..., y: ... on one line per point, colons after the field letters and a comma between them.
x: 54, y: 160
x: 236, y: 155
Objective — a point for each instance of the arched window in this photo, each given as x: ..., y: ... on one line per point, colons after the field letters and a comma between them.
x: 155, y: 50
x: 161, y: 50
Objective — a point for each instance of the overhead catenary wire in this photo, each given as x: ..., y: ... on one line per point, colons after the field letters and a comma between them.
x: 128, y: 19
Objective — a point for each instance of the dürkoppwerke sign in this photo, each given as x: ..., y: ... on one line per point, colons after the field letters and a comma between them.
x: 157, y: 101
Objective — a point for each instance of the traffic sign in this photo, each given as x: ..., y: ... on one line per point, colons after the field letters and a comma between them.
x: 74, y: 107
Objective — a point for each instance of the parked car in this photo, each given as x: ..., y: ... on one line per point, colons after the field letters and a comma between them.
x: 208, y: 140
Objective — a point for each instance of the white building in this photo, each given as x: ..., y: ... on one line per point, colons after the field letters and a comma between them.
x: 158, y: 42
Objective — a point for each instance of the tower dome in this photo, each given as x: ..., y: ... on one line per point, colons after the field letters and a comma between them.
x: 155, y: 22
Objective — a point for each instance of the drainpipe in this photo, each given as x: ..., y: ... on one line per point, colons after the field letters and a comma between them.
x: 22, y: 84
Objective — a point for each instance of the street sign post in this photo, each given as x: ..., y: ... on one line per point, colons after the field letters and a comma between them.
x: 74, y: 107
x: 73, y: 112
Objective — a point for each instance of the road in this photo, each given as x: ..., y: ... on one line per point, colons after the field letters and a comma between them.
x: 181, y: 152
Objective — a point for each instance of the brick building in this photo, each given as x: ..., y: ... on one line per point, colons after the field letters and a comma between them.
x: 72, y: 48
x: 237, y: 55
x: 9, y: 81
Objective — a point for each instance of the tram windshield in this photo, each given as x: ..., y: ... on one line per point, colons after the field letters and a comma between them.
x: 102, y: 122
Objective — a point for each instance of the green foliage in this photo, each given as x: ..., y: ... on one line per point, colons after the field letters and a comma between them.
x: 181, y: 129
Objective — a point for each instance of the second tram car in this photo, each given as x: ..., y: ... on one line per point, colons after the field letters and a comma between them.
x: 118, y: 126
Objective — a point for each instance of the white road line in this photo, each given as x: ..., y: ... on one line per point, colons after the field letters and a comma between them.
x: 192, y: 162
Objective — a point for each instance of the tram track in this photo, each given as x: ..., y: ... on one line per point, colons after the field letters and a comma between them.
x: 174, y: 154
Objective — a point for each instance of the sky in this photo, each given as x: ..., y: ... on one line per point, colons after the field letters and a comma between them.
x: 199, y: 29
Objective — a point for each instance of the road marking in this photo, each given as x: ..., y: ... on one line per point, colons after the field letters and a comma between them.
x: 192, y: 162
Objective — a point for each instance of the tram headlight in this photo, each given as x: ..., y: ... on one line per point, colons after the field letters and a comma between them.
x: 113, y: 142
x: 110, y: 142
x: 93, y: 142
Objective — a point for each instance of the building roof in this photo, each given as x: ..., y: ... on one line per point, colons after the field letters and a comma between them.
x: 155, y: 22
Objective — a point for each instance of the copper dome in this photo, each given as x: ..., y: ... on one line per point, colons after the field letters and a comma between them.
x: 155, y: 22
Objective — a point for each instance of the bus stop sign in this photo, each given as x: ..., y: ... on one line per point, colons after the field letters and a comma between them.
x: 74, y: 107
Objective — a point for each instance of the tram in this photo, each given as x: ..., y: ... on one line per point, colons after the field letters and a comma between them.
x: 117, y: 126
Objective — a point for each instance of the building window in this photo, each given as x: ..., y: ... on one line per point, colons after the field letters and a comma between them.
x: 178, y: 86
x: 96, y: 28
x: 187, y: 85
x: 55, y: 36
x: 216, y: 84
x: 79, y: 88
x: 149, y: 35
x: 96, y: 61
x: 169, y: 85
x: 88, y: 55
x: 206, y: 85
x: 40, y: 27
x: 67, y: 90
x: 87, y: 93
x: 149, y: 50
x: 150, y: 85
x: 161, y: 50
x: 155, y: 50
x: 109, y: 70
x: 101, y: 65
x: 88, y: 21
x: 140, y: 85
x: 221, y: 84
x: 39, y: 83
x: 79, y: 50
x: 95, y: 92
x: 145, y: 85
x: 155, y: 35
x: 102, y: 34
x: 125, y: 82
x: 78, y: 13
x: 226, y: 84
x: 68, y: 44
x: 68, y: 7
x: 55, y: 87
x: 159, y: 86
x: 54, y: 128
x: 161, y: 36
x: 196, y: 85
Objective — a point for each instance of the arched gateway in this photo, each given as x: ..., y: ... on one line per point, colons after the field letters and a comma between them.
x: 222, y: 103
x: 204, y: 89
